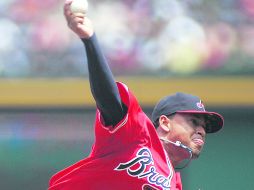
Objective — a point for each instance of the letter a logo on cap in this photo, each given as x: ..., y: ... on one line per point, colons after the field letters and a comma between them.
x: 200, y: 105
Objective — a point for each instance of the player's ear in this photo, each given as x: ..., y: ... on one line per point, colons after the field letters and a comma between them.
x: 164, y: 123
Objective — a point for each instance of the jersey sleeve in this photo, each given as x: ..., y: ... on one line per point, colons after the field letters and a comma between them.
x: 133, y: 128
x: 125, y: 98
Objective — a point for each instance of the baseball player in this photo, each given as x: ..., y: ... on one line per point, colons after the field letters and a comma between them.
x: 132, y: 152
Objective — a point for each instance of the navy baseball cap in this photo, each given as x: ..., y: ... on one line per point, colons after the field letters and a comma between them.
x: 187, y: 103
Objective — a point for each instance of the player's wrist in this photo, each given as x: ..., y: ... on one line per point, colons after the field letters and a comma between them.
x: 87, y: 35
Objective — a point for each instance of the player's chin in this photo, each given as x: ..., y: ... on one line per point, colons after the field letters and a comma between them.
x: 195, y: 154
x: 196, y: 151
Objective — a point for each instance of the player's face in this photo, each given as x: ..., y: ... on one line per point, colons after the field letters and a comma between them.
x: 190, y: 130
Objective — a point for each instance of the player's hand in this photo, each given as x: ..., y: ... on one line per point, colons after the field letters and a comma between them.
x: 78, y: 22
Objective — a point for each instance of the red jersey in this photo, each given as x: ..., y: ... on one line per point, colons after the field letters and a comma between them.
x: 128, y: 156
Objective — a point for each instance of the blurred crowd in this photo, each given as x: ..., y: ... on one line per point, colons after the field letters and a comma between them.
x: 141, y: 37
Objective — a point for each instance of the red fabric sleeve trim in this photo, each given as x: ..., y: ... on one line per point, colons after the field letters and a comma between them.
x: 124, y: 94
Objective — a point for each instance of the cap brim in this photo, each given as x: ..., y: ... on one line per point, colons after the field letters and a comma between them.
x: 214, y: 121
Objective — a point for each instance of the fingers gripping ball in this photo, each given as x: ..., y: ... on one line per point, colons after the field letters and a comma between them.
x: 79, y: 6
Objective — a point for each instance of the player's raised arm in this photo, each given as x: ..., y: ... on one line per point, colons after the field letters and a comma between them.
x: 103, y: 86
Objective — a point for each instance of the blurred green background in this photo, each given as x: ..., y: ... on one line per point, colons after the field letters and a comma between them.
x: 156, y: 47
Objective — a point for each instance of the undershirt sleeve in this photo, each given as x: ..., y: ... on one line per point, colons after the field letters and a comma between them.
x: 102, y: 84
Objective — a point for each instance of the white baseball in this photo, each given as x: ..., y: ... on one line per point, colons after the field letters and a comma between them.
x: 79, y: 6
